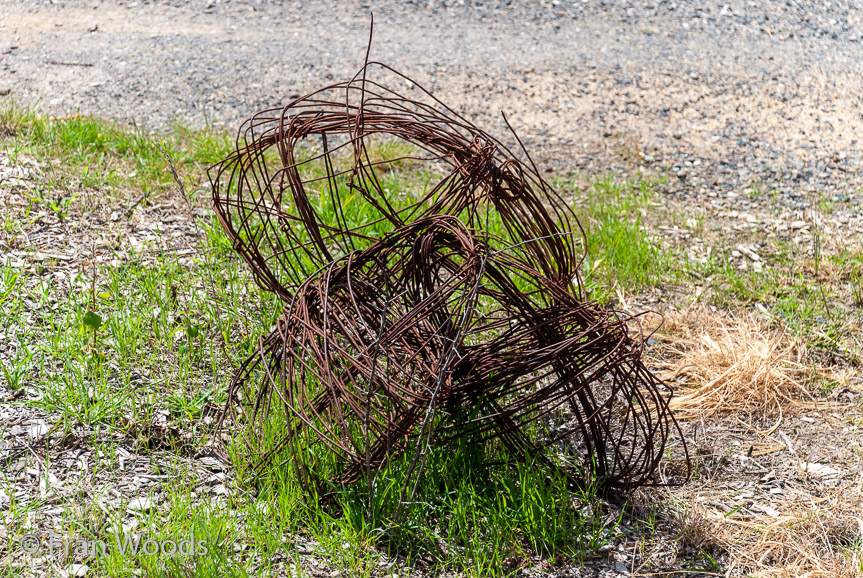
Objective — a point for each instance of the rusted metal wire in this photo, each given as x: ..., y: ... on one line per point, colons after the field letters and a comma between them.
x: 418, y: 317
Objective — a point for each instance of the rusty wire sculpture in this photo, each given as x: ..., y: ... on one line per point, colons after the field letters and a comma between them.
x: 412, y: 318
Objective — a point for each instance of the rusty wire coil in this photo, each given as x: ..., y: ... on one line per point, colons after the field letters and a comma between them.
x: 421, y: 317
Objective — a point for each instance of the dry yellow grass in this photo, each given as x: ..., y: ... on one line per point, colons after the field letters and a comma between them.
x: 738, y: 366
x: 729, y: 365
x: 805, y: 540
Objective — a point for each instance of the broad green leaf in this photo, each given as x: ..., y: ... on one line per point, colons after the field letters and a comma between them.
x: 92, y: 320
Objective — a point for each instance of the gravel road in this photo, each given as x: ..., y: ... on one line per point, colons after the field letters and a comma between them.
x: 723, y: 95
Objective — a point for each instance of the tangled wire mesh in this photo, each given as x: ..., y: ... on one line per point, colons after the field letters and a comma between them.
x: 422, y: 310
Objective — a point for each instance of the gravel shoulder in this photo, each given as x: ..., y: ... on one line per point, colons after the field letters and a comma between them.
x: 724, y: 95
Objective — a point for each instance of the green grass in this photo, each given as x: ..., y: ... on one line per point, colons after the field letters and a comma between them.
x: 93, y: 153
x: 822, y: 310
x: 620, y: 251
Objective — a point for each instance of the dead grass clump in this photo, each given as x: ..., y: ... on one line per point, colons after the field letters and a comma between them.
x: 792, y: 545
x: 728, y: 365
